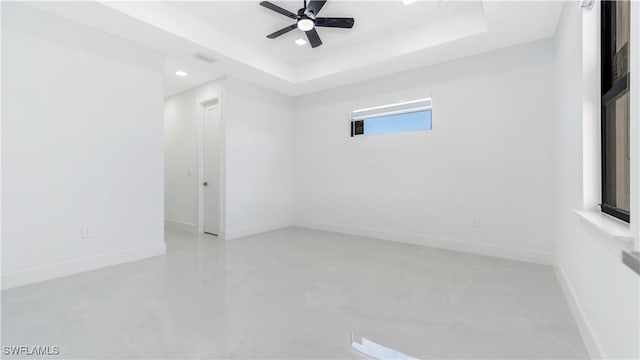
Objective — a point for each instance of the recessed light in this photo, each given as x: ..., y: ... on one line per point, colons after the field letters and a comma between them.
x: 407, y: 2
x: 181, y: 73
x: 301, y: 42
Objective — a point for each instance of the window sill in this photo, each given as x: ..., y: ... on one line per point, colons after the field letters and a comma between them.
x: 613, y: 234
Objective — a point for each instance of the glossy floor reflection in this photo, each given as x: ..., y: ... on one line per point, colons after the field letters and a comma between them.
x: 298, y: 293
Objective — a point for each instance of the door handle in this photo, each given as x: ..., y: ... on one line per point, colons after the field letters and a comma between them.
x: 205, y: 183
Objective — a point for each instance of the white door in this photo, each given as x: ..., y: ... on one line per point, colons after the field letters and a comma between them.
x: 212, y: 130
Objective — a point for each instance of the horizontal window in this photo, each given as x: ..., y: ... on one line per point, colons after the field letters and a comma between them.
x: 387, y: 119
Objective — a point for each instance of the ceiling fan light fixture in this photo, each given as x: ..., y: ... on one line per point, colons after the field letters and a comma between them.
x: 305, y: 24
x: 307, y: 20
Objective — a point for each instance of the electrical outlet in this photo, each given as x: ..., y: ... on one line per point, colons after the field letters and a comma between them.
x: 475, y: 221
x: 87, y: 232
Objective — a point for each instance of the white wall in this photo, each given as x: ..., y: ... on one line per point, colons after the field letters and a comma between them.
x: 490, y: 155
x: 259, y: 158
x: 258, y: 148
x: 604, y: 291
x: 81, y: 145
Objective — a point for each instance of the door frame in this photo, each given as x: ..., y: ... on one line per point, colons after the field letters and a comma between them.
x: 204, y: 105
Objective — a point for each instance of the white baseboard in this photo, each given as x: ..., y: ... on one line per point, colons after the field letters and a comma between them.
x: 181, y: 225
x: 532, y: 256
x: 242, y: 232
x: 586, y: 331
x: 57, y: 270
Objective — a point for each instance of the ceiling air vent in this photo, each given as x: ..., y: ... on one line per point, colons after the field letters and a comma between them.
x: 204, y: 57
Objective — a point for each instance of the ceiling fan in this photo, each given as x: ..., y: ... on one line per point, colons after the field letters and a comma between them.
x: 307, y: 20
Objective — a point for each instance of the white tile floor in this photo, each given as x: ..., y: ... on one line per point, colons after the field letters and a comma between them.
x: 298, y: 293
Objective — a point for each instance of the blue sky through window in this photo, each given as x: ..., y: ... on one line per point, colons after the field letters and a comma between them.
x: 415, y: 121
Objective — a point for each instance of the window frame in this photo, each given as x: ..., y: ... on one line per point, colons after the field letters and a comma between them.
x: 610, y: 92
x: 358, y: 117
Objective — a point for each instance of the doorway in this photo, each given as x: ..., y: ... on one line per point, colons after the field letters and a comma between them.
x: 212, y: 155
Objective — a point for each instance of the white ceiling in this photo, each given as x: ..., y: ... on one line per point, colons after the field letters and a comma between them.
x: 374, y: 20
x: 388, y: 37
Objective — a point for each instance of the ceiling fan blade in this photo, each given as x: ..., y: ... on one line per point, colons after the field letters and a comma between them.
x: 278, y: 9
x: 314, y: 38
x: 346, y: 23
x: 282, y: 31
x: 315, y: 6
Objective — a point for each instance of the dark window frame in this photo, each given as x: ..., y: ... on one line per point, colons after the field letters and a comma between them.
x: 611, y: 90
